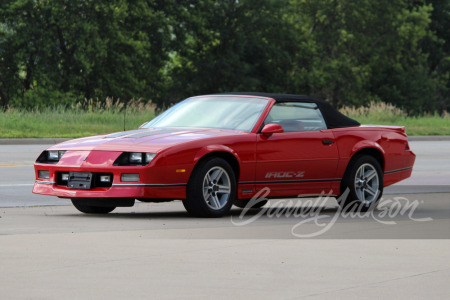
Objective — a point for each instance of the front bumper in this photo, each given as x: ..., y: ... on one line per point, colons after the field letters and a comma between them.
x: 137, y: 191
x: 155, y: 181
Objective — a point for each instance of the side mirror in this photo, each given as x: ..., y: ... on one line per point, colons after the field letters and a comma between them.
x: 143, y: 125
x: 271, y: 128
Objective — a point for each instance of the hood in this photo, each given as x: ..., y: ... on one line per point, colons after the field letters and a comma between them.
x: 142, y: 140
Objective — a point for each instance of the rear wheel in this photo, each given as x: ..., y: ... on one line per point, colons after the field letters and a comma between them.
x: 90, y: 209
x: 364, y: 182
x: 211, y: 189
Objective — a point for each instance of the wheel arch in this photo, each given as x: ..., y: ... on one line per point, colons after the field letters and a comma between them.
x: 227, y: 154
x: 375, y: 152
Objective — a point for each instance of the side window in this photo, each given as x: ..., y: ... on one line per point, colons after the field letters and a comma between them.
x: 296, y: 116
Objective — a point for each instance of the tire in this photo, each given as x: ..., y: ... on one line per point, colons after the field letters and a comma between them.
x: 211, y: 189
x: 89, y: 209
x: 364, y: 180
x: 242, y: 203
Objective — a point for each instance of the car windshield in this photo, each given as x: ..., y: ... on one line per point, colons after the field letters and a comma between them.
x: 223, y: 112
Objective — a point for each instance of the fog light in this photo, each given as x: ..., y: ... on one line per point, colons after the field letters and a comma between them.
x: 106, y: 178
x: 44, y: 174
x: 127, y: 177
x: 65, y: 176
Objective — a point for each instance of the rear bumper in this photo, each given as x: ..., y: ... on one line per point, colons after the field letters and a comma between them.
x: 405, y: 170
x: 396, y: 176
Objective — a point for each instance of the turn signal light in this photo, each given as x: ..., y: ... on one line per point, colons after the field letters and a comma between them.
x: 130, y: 177
x: 44, y: 174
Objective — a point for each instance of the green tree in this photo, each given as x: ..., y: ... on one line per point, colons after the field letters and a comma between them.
x: 233, y: 45
x: 348, y: 52
x: 352, y: 52
x: 8, y: 68
x: 87, y: 48
x: 438, y: 49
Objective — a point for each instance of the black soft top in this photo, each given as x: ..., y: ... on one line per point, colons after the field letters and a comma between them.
x: 332, y: 116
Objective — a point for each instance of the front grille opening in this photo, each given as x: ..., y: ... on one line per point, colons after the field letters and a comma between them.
x: 62, y: 179
x: 99, y: 183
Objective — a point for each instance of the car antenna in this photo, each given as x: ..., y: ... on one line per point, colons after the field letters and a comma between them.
x: 124, y: 116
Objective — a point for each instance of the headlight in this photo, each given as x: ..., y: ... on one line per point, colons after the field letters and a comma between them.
x: 50, y: 156
x: 134, y: 159
x: 53, y: 155
x: 149, y: 157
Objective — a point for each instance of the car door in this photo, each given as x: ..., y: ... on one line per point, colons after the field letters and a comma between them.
x: 301, y: 160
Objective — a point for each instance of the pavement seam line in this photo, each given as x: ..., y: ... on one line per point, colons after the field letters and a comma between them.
x: 376, y: 283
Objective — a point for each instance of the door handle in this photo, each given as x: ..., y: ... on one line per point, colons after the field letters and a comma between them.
x: 327, y: 142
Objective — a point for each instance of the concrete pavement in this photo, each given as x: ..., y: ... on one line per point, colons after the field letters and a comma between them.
x: 157, y: 252
x: 130, y: 265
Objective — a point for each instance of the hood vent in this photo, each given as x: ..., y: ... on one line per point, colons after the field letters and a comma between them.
x: 149, y: 133
x: 119, y: 134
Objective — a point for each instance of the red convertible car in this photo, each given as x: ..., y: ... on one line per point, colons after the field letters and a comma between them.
x: 214, y: 151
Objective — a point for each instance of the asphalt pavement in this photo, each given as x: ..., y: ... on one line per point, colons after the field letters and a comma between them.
x: 430, y: 175
x: 291, y: 249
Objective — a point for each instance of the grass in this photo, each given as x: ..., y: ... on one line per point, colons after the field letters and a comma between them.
x: 89, y: 118
x: 94, y: 117
x: 380, y: 113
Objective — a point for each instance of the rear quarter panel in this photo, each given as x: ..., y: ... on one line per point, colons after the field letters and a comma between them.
x: 390, y: 141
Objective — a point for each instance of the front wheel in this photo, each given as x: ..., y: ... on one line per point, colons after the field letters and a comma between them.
x: 211, y: 189
x: 362, y: 185
x: 90, y: 209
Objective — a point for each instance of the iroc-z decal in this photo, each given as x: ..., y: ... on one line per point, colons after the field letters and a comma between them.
x: 287, y: 174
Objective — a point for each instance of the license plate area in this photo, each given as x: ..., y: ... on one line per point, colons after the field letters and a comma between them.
x: 80, y: 180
